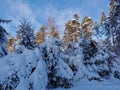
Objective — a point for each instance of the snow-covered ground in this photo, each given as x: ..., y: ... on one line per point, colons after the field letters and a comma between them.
x: 29, y: 66
x: 112, y: 84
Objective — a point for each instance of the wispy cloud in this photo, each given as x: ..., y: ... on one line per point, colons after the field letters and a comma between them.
x: 39, y: 10
x: 60, y: 16
x: 19, y: 9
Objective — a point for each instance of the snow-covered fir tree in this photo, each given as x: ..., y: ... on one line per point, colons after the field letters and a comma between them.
x: 112, y: 26
x: 25, y: 34
x: 47, y: 62
x: 59, y: 73
x: 3, y: 39
x: 28, y: 71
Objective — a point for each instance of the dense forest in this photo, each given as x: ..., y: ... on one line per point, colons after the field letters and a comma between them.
x: 44, y: 60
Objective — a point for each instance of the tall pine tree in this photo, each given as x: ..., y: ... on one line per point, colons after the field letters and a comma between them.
x: 25, y: 34
x: 112, y: 26
x: 72, y: 30
x: 40, y: 38
x: 3, y: 38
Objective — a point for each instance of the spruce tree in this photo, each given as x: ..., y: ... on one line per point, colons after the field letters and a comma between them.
x: 112, y: 26
x: 59, y: 73
x: 25, y: 34
x: 3, y: 39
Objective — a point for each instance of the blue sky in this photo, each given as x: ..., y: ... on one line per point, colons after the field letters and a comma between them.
x: 37, y: 11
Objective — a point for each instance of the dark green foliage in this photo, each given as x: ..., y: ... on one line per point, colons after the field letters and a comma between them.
x: 3, y: 38
x: 51, y: 55
x: 117, y: 74
x: 10, y: 83
x: 112, y: 27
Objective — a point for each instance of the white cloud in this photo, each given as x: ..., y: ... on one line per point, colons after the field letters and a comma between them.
x: 60, y: 16
x: 19, y: 9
